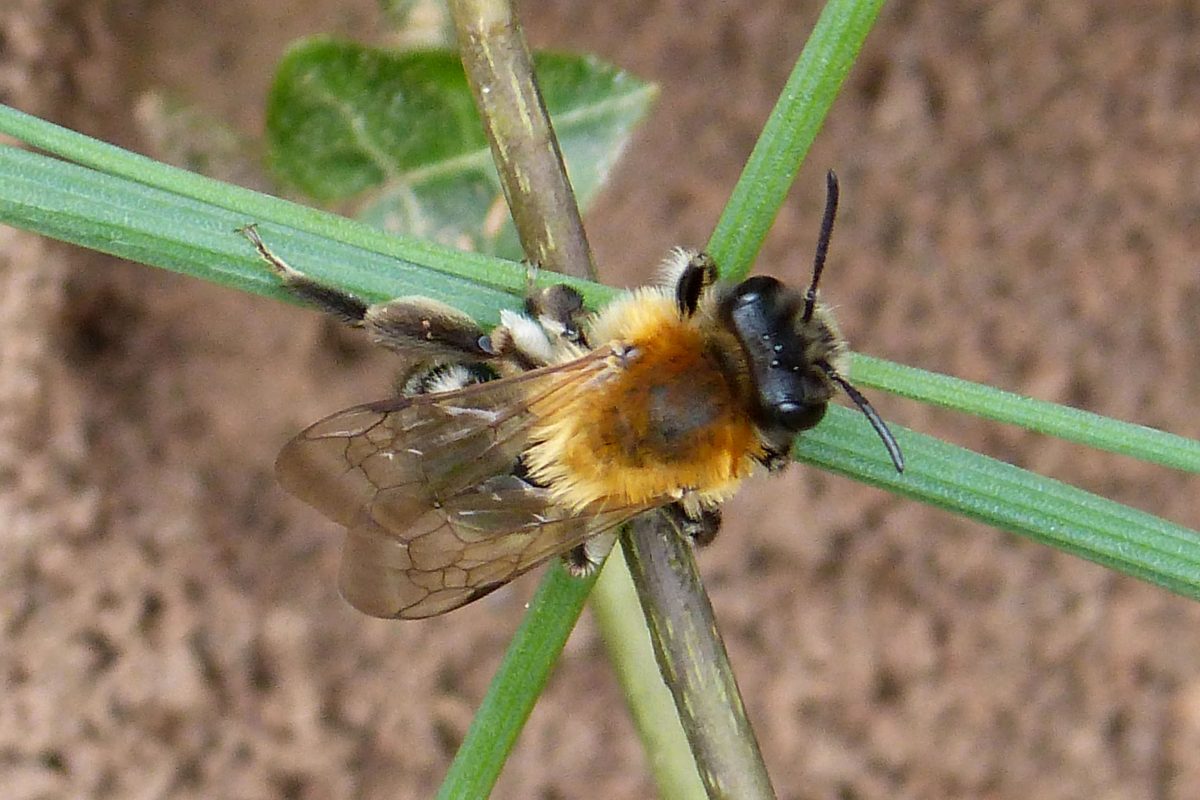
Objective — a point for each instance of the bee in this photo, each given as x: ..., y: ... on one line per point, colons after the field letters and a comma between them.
x: 506, y: 448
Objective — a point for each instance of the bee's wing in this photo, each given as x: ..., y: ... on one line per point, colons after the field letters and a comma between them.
x: 424, y: 485
x: 475, y: 543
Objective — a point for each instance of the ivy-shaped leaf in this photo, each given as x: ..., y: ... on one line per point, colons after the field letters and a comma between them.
x: 396, y: 134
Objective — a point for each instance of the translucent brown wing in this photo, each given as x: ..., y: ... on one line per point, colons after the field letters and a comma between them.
x: 435, y: 517
x: 477, y: 542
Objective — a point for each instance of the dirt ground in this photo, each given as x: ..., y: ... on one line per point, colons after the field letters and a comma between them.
x: 1021, y: 206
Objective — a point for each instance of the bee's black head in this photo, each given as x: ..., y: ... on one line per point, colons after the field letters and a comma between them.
x: 792, y: 349
x: 792, y: 390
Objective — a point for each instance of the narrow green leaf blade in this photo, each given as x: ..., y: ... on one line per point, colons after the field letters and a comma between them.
x: 518, y: 683
x: 1008, y: 497
x: 137, y: 172
x: 1070, y: 424
x: 781, y: 147
x: 143, y: 223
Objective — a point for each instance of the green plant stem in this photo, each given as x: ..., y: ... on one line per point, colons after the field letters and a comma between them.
x: 130, y: 220
x: 264, y: 209
x: 531, y: 655
x: 806, y: 98
x: 622, y: 622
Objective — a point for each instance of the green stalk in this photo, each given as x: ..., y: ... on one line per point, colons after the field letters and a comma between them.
x: 531, y: 654
x: 789, y: 132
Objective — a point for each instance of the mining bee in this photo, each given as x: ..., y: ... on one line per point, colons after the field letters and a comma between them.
x: 508, y: 447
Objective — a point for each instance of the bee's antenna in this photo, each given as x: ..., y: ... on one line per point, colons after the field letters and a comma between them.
x: 868, y: 410
x: 831, y: 201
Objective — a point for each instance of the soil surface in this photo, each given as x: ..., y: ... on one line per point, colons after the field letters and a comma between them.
x: 1020, y: 206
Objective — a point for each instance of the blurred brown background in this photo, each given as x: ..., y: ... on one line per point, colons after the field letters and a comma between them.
x: 1021, y: 199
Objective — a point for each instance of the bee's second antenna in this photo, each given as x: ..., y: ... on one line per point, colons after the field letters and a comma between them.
x: 831, y: 203
x: 872, y: 416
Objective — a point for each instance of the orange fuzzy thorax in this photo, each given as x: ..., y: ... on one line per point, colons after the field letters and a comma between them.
x: 667, y: 420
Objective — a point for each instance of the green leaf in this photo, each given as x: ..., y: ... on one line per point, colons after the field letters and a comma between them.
x: 399, y: 135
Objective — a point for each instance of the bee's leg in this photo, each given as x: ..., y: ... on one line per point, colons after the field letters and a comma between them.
x: 777, y: 449
x: 691, y: 520
x: 583, y: 559
x: 426, y: 378
x: 576, y: 562
x: 559, y: 311
x: 346, y: 307
x: 549, y: 328
x: 697, y: 523
x: 699, y: 274
x: 416, y: 327
x: 690, y: 273
x: 423, y: 328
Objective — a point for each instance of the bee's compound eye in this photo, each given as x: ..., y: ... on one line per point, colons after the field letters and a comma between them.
x: 798, y: 416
